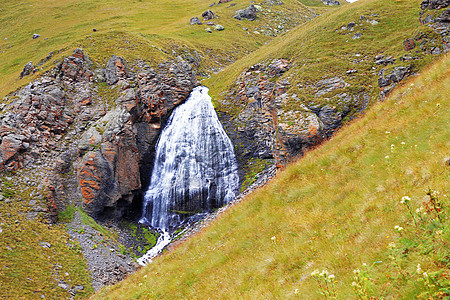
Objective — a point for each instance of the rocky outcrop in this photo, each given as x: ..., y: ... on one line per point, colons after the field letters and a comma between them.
x: 122, y: 142
x: 264, y: 124
x: 59, y: 124
x: 264, y: 129
x: 434, y: 4
x: 388, y: 82
x: 438, y: 20
x: 248, y: 13
x: 331, y: 2
x: 27, y: 69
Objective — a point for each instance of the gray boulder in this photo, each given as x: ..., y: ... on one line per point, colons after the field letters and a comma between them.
x: 208, y: 15
x: 115, y: 69
x: 28, y: 69
x: 248, y: 13
x: 195, y: 21
x: 330, y: 2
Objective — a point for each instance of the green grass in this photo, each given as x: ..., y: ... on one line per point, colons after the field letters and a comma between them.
x: 142, y: 30
x: 66, y: 216
x: 320, y: 49
x: 335, y: 209
x: 28, y: 270
x: 87, y: 220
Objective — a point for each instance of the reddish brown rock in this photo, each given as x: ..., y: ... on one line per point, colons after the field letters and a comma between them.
x: 9, y: 149
x: 75, y: 68
x: 409, y: 44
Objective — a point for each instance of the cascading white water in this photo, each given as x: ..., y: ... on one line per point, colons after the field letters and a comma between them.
x: 195, y: 168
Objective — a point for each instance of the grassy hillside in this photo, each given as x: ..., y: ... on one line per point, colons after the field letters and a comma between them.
x: 323, y: 49
x: 148, y: 30
x: 338, y: 208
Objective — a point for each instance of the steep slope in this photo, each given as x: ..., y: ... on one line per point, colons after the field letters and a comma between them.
x: 340, y: 208
x: 75, y: 124
x: 294, y: 92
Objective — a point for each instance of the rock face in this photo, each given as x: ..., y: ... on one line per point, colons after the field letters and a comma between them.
x: 265, y: 127
x: 111, y: 147
x: 110, y: 175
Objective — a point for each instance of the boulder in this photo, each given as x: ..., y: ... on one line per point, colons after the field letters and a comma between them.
x: 27, y: 69
x: 218, y: 27
x: 248, y: 13
x: 195, y: 21
x: 409, y: 44
x: 116, y: 69
x: 35, y: 36
x: 330, y: 2
x: 9, y: 149
x: 207, y: 15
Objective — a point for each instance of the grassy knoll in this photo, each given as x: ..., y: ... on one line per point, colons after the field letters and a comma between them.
x: 146, y: 29
x: 338, y: 208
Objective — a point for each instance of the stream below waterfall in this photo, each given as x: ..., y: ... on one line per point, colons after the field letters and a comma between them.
x: 195, y: 170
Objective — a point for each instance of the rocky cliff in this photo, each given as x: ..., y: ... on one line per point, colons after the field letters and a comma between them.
x: 61, y: 125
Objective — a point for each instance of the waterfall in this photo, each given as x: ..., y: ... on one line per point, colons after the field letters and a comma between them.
x: 195, y: 169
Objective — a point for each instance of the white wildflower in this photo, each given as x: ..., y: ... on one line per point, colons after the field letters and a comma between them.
x: 419, y: 269
x: 357, y: 271
x: 354, y: 284
x: 315, y: 273
x: 391, y: 245
x: 331, y: 276
x: 405, y: 200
